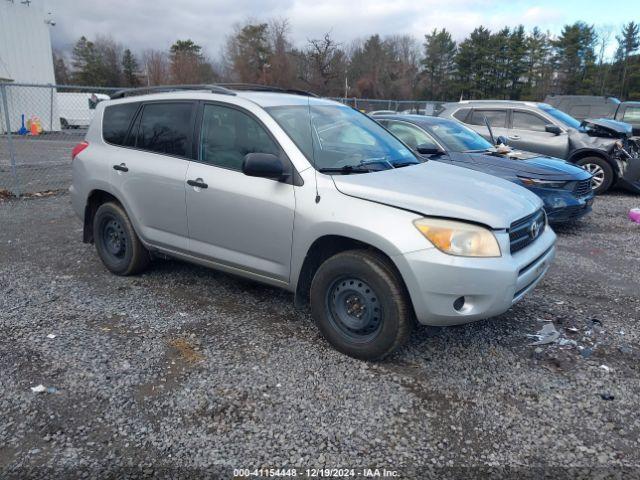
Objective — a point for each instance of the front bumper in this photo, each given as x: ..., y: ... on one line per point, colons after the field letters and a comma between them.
x: 489, y: 286
x: 563, y: 205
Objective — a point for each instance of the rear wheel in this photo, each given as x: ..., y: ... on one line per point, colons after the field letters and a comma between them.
x: 601, y: 171
x: 116, y: 241
x: 360, y: 305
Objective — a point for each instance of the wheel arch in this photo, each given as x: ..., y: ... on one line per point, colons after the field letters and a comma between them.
x: 95, y: 198
x: 325, y: 247
x: 586, y: 152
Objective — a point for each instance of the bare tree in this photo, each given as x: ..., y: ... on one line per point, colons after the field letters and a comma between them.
x: 156, y: 67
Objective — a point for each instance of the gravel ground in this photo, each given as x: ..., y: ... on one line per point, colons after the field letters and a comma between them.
x: 185, y: 371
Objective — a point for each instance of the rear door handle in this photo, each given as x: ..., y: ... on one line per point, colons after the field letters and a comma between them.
x: 198, y: 183
x: 514, y: 137
x: 121, y: 168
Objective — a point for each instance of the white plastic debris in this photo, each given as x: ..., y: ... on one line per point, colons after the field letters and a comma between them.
x: 605, y: 368
x: 51, y: 336
x: 548, y: 334
x: 39, y: 389
x: 182, y: 314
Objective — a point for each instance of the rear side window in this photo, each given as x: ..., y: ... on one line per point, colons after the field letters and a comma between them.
x: 528, y: 121
x: 166, y: 128
x: 116, y: 121
x: 496, y: 118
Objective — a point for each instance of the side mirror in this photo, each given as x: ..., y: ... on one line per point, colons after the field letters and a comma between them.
x: 426, y: 149
x: 502, y: 140
x: 265, y: 165
x: 552, y: 129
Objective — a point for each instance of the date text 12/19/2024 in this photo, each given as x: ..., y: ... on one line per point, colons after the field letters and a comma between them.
x: 315, y: 472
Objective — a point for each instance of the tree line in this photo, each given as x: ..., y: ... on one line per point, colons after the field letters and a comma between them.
x: 510, y: 63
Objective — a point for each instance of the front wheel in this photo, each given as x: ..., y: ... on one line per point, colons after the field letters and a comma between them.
x: 600, y: 170
x: 116, y: 241
x: 360, y: 305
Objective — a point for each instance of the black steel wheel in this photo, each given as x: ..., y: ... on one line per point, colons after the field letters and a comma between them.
x: 116, y: 241
x: 360, y: 304
x: 355, y: 309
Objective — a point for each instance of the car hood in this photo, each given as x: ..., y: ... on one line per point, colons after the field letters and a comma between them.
x: 521, y: 163
x: 606, y: 127
x: 440, y: 190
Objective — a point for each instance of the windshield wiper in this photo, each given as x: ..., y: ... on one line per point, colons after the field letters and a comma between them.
x: 347, y: 169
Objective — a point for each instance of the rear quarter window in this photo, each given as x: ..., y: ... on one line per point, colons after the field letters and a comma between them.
x: 116, y: 121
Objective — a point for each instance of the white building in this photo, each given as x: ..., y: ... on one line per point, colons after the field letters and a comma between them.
x: 26, y: 57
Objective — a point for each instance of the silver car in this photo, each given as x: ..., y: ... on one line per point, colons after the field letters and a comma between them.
x: 314, y: 197
x: 603, y: 147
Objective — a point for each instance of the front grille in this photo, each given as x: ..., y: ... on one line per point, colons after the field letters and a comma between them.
x: 583, y: 188
x: 523, y: 233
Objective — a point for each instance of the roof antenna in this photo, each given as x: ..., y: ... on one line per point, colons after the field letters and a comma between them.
x: 313, y: 150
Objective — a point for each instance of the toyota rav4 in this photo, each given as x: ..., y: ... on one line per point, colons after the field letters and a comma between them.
x: 312, y: 196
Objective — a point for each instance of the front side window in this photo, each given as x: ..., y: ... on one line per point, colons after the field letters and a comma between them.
x: 632, y: 115
x: 411, y: 135
x: 166, y: 128
x: 116, y: 121
x: 336, y: 137
x: 229, y: 134
x: 496, y: 118
x: 528, y: 121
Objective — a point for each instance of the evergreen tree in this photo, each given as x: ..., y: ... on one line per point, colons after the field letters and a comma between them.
x: 130, y: 69
x: 628, y: 43
x: 575, y: 59
x: 438, y: 64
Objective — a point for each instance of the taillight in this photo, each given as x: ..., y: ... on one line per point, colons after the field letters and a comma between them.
x: 78, y: 148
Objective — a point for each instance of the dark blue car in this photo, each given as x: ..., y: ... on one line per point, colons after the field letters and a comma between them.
x: 564, y: 188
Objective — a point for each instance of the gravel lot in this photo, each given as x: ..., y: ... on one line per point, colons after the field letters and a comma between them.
x: 185, y: 371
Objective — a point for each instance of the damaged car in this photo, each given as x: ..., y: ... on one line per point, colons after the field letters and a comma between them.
x: 564, y: 188
x: 603, y: 147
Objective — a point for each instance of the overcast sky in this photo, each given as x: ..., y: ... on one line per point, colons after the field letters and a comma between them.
x: 157, y: 23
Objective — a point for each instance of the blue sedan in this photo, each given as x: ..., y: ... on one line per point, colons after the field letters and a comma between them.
x: 564, y: 188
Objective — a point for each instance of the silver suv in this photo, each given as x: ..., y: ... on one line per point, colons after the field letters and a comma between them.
x: 601, y: 146
x: 311, y: 196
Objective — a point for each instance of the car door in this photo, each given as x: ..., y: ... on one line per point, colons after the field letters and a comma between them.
x: 239, y: 221
x: 497, y: 118
x: 150, y: 171
x: 528, y: 132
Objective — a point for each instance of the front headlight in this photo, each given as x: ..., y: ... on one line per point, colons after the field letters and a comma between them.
x: 536, y: 182
x: 459, y: 238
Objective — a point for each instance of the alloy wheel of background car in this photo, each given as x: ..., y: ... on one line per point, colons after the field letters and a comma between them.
x: 601, y: 171
x: 355, y: 310
x: 597, y: 172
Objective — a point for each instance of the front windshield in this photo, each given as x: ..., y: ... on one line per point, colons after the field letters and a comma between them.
x: 565, y: 118
x: 458, y: 138
x: 336, y: 137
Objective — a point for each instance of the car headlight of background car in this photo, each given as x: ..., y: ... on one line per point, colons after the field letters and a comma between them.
x: 536, y: 182
x: 459, y: 238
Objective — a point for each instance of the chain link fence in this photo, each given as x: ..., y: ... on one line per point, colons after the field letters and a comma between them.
x: 40, y: 125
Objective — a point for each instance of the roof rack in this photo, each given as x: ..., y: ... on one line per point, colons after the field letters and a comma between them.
x: 221, y: 88
x: 265, y: 88
x: 129, y: 92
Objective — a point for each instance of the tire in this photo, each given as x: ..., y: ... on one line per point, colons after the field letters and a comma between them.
x: 116, y: 241
x: 360, y: 305
x: 602, y: 172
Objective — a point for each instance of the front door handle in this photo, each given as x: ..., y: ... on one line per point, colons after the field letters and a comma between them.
x: 197, y: 183
x: 121, y: 168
